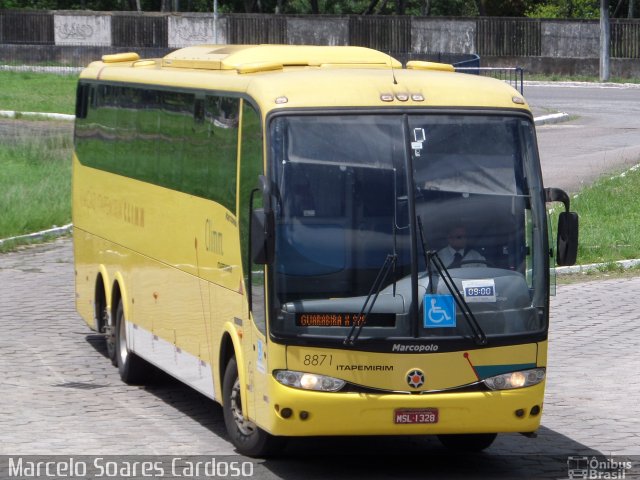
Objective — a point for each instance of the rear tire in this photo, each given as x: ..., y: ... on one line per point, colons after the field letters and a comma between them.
x: 473, y: 442
x: 133, y: 369
x: 246, y: 436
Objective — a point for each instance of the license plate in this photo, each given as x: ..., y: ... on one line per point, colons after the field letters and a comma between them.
x: 408, y: 416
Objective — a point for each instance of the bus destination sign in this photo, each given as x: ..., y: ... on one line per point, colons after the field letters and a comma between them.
x: 344, y: 319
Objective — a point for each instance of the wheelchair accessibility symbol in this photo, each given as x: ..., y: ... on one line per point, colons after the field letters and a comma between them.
x: 439, y: 311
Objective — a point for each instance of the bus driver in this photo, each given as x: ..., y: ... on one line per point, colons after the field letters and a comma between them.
x: 456, y: 254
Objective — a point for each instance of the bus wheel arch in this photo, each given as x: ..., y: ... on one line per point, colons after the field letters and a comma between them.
x: 227, y: 351
x: 247, y: 437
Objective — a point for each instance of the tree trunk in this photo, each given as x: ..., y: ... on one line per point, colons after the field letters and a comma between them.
x: 618, y: 6
x: 426, y: 8
x: 371, y: 7
x: 382, y: 7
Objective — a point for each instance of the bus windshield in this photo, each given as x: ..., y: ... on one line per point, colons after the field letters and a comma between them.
x: 348, y: 190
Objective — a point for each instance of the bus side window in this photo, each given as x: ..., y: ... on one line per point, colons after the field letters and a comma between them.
x: 220, y: 136
x: 82, y: 100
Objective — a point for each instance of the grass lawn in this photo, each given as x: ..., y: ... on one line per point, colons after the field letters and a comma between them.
x: 609, y: 219
x: 38, y: 92
x: 35, y: 184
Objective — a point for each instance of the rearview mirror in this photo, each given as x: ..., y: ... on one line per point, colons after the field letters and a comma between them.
x: 567, y: 249
x: 567, y: 246
x: 262, y: 236
x: 262, y: 226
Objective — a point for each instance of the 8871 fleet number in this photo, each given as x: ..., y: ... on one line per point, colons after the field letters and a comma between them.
x: 317, y: 360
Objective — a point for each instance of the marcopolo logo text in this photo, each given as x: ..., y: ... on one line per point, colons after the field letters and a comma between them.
x: 398, y: 347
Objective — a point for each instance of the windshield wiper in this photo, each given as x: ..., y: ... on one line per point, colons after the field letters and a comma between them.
x: 388, y: 265
x: 431, y: 257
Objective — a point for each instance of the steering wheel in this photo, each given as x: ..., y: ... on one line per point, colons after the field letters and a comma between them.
x: 482, y: 261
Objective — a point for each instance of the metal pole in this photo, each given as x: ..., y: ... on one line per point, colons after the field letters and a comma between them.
x: 605, y: 36
x: 215, y: 21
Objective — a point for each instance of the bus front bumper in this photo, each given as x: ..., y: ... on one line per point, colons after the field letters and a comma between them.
x: 296, y: 412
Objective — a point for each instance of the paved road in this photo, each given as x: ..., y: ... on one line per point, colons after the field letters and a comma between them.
x: 603, y: 136
x: 60, y: 395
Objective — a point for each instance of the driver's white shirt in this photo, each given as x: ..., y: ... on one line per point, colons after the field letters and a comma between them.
x: 447, y: 253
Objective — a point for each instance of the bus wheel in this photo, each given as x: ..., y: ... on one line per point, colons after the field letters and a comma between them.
x: 133, y: 369
x: 474, y: 442
x: 102, y: 321
x: 246, y: 436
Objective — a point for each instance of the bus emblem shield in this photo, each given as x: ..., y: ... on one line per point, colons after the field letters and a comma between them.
x: 415, y: 378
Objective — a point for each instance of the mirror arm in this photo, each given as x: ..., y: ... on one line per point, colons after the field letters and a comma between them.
x: 249, y: 253
x: 557, y: 195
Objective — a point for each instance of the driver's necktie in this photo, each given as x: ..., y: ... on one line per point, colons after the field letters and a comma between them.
x: 457, y: 260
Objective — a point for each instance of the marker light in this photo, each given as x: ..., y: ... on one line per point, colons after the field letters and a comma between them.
x: 417, y: 97
x: 281, y: 100
x: 523, y: 378
x: 386, y: 97
x: 309, y: 381
x: 403, y: 97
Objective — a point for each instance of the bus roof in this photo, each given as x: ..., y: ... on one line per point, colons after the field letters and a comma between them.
x: 278, y: 76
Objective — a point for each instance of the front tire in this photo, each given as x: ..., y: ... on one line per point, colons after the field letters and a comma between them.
x: 245, y: 435
x: 133, y: 369
x: 473, y: 442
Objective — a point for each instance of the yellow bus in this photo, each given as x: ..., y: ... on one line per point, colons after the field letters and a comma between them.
x: 321, y: 239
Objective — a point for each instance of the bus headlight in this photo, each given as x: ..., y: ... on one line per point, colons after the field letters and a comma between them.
x: 308, y: 381
x: 520, y: 379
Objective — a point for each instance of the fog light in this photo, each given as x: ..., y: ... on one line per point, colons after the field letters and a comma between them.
x: 286, y: 413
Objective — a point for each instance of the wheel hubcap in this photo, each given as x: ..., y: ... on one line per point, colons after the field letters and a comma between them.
x: 245, y: 426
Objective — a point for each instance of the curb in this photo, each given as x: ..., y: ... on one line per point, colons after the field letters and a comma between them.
x: 53, y: 232
x: 36, y: 69
x: 551, y: 119
x: 53, y: 116
x: 625, y: 264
